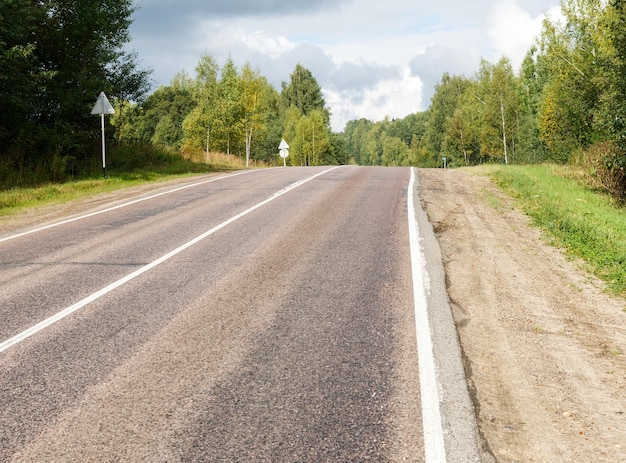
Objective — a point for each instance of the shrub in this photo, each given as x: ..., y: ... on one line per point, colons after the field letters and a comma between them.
x: 603, y: 165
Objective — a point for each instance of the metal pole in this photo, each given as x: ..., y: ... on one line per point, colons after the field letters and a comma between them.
x: 104, y: 167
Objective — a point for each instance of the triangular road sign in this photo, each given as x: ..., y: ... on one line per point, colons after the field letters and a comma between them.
x: 102, y: 106
x: 283, y: 145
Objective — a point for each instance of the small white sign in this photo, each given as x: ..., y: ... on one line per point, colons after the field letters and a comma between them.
x: 283, y: 145
x: 102, y: 106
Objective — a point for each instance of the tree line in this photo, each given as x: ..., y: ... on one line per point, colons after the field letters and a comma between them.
x: 234, y: 111
x: 566, y: 103
x: 56, y: 56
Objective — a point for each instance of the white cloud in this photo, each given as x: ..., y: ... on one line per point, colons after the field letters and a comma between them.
x: 360, y: 51
x: 437, y: 60
x: 264, y: 43
x: 512, y: 31
x: 396, y: 98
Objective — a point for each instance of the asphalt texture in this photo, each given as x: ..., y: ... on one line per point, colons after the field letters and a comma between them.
x: 286, y: 335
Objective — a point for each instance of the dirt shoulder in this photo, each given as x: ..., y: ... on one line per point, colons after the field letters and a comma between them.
x: 544, y: 346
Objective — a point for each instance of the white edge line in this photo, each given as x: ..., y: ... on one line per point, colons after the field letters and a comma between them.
x: 79, y: 305
x: 434, y: 445
x: 119, y: 206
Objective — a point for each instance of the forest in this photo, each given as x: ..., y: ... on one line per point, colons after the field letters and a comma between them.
x: 236, y: 112
x: 566, y: 103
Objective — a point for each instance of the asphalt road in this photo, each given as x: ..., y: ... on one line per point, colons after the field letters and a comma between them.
x: 258, y: 316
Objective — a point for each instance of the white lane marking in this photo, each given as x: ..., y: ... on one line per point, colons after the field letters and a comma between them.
x: 434, y: 446
x: 79, y: 305
x: 119, y: 206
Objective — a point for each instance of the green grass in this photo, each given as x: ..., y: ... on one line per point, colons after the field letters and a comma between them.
x: 587, y: 223
x: 15, y: 200
x: 128, y: 166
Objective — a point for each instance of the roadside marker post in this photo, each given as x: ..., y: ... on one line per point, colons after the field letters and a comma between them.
x: 101, y: 108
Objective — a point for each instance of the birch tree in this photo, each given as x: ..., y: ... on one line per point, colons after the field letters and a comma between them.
x: 199, y: 125
x: 255, y: 100
x: 229, y: 106
x: 500, y: 96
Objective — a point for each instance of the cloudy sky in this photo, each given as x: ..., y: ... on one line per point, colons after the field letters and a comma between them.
x: 372, y: 58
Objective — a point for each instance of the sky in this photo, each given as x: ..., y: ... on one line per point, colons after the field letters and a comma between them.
x: 372, y: 58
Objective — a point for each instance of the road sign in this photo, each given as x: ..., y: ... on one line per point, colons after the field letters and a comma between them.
x: 101, y: 108
x: 284, y: 151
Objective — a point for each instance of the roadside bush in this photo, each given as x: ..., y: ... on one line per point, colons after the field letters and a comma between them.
x: 603, y: 166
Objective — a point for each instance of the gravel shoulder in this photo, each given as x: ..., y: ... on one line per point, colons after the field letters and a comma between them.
x: 544, y: 346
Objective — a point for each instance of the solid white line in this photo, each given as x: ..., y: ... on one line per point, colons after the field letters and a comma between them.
x: 79, y: 305
x: 119, y: 206
x: 434, y: 446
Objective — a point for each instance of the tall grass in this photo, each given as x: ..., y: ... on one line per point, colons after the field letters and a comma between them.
x: 15, y: 199
x: 589, y: 224
x: 127, y: 166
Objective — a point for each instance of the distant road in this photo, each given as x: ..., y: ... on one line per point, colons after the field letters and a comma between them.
x: 258, y: 316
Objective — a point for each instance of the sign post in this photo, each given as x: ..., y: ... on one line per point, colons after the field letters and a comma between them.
x: 284, y: 151
x: 101, y: 108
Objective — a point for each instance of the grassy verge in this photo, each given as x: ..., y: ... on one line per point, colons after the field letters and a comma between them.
x: 587, y: 223
x: 128, y: 166
x: 15, y: 200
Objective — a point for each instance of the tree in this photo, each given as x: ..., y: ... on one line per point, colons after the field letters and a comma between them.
x: 395, y: 151
x: 568, y: 54
x: 611, y: 114
x: 316, y: 130
x: 20, y: 80
x: 199, y: 125
x: 500, y: 97
x: 304, y: 93
x: 266, y: 146
x: 338, y: 151
x: 56, y: 57
x: 307, y: 120
x: 355, y: 134
x: 462, y: 129
x: 310, y: 138
x: 444, y: 103
x: 166, y: 132
x: 229, y: 106
x: 255, y: 92
x: 607, y: 155
x: 373, y: 145
x: 531, y: 85
x: 20, y: 75
x: 82, y: 42
x: 159, y: 119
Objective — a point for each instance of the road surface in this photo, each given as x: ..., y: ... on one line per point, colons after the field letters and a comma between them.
x: 256, y: 316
